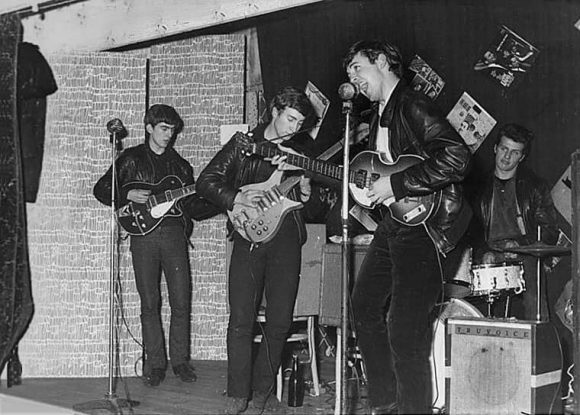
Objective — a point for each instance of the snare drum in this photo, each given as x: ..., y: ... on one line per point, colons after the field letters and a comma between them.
x: 495, y: 278
x: 452, y: 308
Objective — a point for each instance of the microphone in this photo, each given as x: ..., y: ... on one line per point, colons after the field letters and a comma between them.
x: 115, y: 126
x: 348, y: 91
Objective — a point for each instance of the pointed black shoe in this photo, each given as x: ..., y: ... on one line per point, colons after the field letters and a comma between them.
x: 155, y: 377
x: 185, y: 372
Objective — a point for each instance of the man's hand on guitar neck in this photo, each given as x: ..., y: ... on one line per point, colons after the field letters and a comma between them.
x: 280, y: 161
x: 138, y: 195
x: 256, y: 198
x: 380, y: 190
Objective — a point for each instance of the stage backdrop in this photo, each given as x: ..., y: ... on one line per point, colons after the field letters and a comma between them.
x: 69, y: 230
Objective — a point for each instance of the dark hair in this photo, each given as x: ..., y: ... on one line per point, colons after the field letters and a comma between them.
x: 517, y: 133
x: 290, y: 97
x: 372, y: 49
x: 163, y: 113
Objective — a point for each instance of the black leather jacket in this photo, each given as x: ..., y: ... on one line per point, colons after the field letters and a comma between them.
x: 416, y: 126
x: 138, y: 164
x: 534, y: 200
x: 231, y: 168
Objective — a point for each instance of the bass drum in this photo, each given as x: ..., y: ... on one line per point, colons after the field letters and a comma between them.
x: 451, y: 308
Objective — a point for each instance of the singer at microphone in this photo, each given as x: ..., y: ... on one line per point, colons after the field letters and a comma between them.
x: 401, y: 275
x: 348, y: 91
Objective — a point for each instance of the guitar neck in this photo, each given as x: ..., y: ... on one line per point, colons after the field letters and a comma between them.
x: 170, y: 195
x: 317, y: 166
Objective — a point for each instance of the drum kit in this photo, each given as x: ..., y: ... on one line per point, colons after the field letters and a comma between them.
x: 489, y: 281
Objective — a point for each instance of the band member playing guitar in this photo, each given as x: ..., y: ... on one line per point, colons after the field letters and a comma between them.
x: 162, y: 245
x: 242, y: 185
x: 399, y: 281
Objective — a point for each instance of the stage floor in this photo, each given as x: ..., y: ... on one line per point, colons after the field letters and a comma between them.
x: 172, y: 397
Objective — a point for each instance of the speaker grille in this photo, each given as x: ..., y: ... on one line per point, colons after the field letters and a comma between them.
x: 493, y: 366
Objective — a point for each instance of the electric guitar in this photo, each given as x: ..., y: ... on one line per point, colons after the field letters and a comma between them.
x: 260, y: 223
x: 365, y: 168
x: 142, y: 218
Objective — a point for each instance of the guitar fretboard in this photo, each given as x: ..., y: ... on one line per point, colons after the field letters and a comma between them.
x: 318, y: 166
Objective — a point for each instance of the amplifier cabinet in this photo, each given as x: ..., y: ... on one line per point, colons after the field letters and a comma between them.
x: 497, y: 366
x: 330, y: 296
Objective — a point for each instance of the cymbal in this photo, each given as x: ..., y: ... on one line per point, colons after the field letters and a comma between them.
x: 540, y: 249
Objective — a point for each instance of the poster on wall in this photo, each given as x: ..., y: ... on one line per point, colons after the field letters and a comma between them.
x: 471, y: 121
x: 320, y: 104
x: 562, y: 194
x: 507, y: 59
x: 425, y: 80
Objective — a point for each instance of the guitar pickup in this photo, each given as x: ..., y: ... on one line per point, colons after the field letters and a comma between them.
x: 412, y: 214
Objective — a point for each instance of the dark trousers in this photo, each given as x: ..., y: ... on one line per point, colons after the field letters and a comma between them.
x: 396, y: 290
x: 164, y: 249
x: 272, y: 268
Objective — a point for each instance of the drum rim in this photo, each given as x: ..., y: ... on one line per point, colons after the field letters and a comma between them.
x: 514, y: 264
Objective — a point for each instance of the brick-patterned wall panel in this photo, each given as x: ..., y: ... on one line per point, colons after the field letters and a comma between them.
x: 203, y: 78
x: 69, y: 231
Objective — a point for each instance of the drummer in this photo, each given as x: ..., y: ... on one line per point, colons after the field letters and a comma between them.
x: 509, y: 205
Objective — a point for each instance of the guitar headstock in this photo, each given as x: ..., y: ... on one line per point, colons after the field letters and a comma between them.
x: 245, y: 142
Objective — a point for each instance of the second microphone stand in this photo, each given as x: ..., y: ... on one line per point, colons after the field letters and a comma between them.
x: 111, y: 402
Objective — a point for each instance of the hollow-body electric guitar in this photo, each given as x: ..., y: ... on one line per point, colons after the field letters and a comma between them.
x: 142, y: 218
x: 365, y: 168
x: 260, y: 223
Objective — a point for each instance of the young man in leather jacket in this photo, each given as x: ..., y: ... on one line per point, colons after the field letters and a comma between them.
x: 271, y: 268
x: 163, y: 248
x: 509, y: 204
x: 400, y: 281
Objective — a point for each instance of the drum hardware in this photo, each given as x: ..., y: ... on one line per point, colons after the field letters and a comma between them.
x: 539, y: 250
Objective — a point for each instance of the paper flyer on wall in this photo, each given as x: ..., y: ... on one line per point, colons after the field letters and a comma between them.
x: 562, y: 195
x: 508, y: 58
x: 471, y: 121
x: 320, y: 104
x: 425, y: 80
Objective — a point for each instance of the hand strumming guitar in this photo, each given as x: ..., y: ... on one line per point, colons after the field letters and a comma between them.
x: 138, y: 195
x: 254, y: 198
x: 380, y: 190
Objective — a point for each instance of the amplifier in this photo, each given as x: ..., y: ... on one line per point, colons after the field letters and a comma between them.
x: 330, y: 295
x: 497, y: 366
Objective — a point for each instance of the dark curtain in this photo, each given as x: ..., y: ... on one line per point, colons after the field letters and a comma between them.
x: 308, y: 43
x: 16, y: 306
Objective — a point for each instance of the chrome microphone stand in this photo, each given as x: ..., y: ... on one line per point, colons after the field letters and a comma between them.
x: 347, y: 92
x: 111, y: 402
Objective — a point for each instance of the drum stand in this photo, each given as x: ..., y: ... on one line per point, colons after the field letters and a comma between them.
x: 540, y: 251
x: 491, y: 297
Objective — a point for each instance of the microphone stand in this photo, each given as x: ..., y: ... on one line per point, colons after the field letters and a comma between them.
x: 341, y: 403
x: 111, y: 402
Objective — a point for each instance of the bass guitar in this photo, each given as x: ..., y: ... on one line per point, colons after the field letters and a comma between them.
x: 365, y: 168
x: 261, y: 222
x: 142, y: 218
